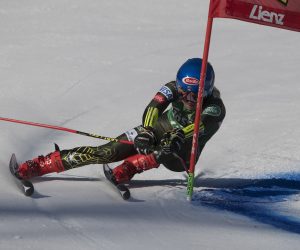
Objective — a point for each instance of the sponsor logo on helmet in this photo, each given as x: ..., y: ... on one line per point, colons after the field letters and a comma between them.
x: 190, y: 81
x: 285, y: 2
x: 166, y: 92
x: 259, y: 13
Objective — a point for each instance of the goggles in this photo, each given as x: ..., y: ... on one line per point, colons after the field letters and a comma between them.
x: 187, y: 96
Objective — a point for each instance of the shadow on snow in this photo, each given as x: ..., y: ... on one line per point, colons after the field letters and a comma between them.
x: 268, y: 201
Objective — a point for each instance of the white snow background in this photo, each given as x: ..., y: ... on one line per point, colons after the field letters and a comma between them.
x: 93, y: 65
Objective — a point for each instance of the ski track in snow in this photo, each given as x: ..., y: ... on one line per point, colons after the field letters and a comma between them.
x: 70, y: 228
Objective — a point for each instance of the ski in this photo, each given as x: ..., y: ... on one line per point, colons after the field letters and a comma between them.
x: 120, y: 188
x: 24, y: 185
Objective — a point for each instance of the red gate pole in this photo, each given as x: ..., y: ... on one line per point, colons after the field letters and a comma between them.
x: 191, y: 174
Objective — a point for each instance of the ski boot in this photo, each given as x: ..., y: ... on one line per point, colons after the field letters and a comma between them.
x: 40, y: 166
x: 132, y: 165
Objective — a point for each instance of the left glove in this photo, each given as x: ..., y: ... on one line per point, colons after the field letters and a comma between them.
x: 145, y: 142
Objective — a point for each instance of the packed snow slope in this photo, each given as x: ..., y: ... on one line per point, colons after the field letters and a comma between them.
x: 93, y: 65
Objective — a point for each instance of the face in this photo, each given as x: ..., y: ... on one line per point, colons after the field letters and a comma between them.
x: 189, y: 99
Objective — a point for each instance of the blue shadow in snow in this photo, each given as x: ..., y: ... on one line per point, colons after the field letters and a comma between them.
x: 264, y: 200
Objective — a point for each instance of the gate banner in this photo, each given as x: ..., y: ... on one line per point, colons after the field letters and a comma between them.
x: 284, y: 14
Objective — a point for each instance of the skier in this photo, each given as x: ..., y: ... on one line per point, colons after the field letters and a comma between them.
x: 165, y: 136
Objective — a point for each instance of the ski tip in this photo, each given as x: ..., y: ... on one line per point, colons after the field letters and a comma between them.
x: 13, y: 165
x: 13, y: 158
x: 24, y: 185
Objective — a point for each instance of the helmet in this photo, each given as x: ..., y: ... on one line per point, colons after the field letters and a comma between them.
x: 188, y: 77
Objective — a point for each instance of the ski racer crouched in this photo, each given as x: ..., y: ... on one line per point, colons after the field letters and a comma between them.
x: 165, y: 136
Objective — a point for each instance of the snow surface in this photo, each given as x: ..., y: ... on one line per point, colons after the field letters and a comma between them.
x: 93, y: 65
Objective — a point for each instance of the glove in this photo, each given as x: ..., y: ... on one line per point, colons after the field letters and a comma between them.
x: 172, y: 141
x: 170, y: 145
x: 145, y: 142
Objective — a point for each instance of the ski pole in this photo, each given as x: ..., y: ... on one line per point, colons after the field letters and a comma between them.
x: 66, y: 129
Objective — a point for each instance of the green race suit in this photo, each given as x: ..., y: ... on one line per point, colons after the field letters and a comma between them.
x: 165, y: 112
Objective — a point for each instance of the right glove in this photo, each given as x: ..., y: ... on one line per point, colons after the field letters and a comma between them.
x: 145, y: 142
x: 170, y: 145
x: 172, y: 141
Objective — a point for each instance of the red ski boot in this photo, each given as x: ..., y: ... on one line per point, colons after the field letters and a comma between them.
x: 133, y: 165
x: 41, y: 165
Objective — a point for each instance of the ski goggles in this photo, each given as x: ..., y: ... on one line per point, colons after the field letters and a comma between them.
x: 187, y: 96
